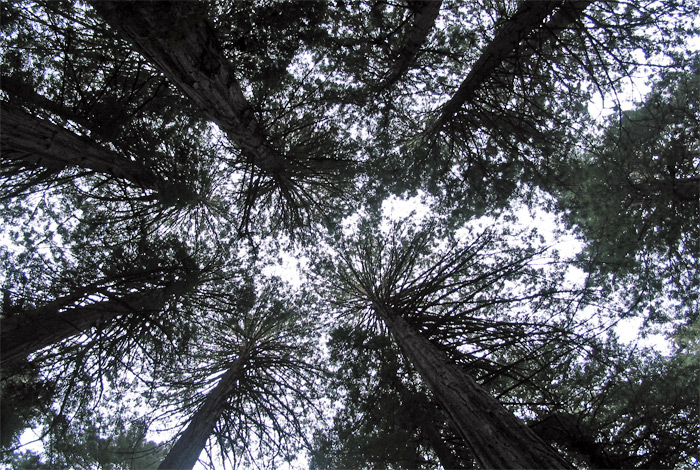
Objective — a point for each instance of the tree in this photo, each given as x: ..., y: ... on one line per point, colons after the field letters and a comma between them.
x: 100, y: 442
x: 36, y: 142
x: 645, y: 165
x: 85, y: 327
x: 260, y: 357
x: 22, y: 334
x: 387, y: 419
x: 502, y: 440
x: 528, y: 18
x: 391, y: 277
x: 499, y: 145
x: 24, y: 398
x: 185, y: 452
x: 646, y: 399
x: 98, y: 96
x: 195, y: 51
x: 160, y: 162
x: 30, y: 325
x: 424, y: 14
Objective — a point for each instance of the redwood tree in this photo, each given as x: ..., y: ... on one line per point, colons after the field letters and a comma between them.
x: 234, y: 140
x: 411, y: 290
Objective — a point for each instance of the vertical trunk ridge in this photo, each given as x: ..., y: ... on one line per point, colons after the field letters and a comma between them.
x: 497, y: 438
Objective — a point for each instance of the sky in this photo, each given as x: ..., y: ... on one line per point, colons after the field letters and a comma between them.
x: 396, y: 209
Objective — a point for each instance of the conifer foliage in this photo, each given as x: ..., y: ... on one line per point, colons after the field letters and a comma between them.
x: 201, y: 267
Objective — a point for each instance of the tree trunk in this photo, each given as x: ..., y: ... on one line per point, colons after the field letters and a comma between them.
x: 180, y: 41
x: 29, y: 331
x: 569, y: 14
x: 185, y: 453
x: 497, y: 438
x: 426, y: 11
x: 423, y: 413
x: 29, y: 141
x: 529, y: 16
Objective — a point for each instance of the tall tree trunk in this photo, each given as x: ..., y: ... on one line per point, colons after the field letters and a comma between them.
x: 426, y: 11
x: 26, y: 332
x: 529, y: 17
x: 179, y: 40
x: 497, y: 438
x: 566, y: 17
x: 29, y: 141
x: 423, y: 413
x: 186, y: 451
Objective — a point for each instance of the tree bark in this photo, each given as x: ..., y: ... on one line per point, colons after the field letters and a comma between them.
x: 180, y: 41
x: 29, y: 141
x: 569, y: 13
x: 185, y: 453
x: 497, y: 438
x: 426, y: 11
x: 27, y: 332
x: 529, y: 17
x: 423, y: 413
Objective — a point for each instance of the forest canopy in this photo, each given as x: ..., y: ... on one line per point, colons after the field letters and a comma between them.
x: 204, y: 264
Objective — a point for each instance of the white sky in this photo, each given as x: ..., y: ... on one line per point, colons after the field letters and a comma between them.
x: 395, y: 208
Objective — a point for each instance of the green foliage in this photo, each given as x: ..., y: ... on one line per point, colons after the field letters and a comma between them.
x: 646, y: 169
x: 24, y: 396
x: 628, y: 409
x: 108, y: 446
x: 634, y: 197
x: 342, y: 106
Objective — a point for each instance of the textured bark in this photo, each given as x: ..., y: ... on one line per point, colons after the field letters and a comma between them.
x: 497, y: 438
x: 426, y: 11
x: 528, y: 18
x: 29, y: 141
x: 180, y: 41
x: 185, y: 453
x: 27, y: 332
